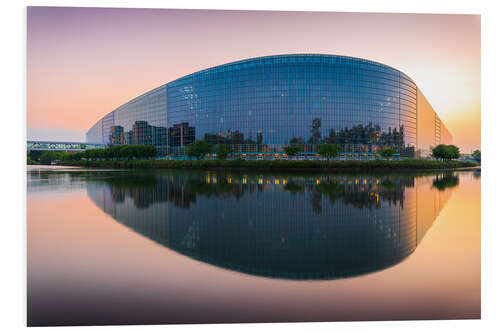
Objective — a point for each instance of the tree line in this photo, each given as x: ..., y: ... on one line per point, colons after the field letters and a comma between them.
x: 200, y: 148
x: 112, y: 152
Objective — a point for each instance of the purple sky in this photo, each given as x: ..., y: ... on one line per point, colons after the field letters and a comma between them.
x: 84, y: 62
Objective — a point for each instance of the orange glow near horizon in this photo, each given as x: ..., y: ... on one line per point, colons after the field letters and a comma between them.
x: 99, y: 256
x: 84, y: 62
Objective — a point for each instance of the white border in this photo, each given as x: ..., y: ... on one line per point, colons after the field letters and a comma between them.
x: 13, y: 136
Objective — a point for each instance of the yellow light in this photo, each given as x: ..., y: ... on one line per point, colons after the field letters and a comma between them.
x: 244, y: 180
x: 229, y: 180
x: 317, y: 181
x: 364, y: 181
x: 276, y: 181
x: 284, y: 181
x: 260, y: 180
x: 214, y: 180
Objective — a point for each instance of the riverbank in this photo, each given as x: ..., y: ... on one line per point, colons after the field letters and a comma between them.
x: 279, y: 165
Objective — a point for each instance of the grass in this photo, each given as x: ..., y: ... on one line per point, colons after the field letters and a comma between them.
x: 372, y: 165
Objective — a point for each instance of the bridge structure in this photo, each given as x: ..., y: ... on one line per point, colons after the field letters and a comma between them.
x: 62, y: 146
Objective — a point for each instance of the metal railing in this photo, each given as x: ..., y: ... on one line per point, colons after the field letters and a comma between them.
x: 63, y: 146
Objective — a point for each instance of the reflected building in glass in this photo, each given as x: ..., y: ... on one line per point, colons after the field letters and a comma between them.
x: 260, y: 105
x: 291, y: 227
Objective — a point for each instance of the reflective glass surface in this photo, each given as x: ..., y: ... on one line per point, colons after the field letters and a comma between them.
x: 263, y: 104
x: 293, y: 227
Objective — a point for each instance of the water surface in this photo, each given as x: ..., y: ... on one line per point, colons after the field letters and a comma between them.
x: 151, y: 247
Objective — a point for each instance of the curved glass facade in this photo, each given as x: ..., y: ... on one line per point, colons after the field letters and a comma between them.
x: 263, y: 104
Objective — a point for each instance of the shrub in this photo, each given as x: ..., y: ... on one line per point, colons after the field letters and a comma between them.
x: 198, y: 149
x: 223, y: 150
x: 292, y: 150
x: 388, y: 152
x: 329, y: 150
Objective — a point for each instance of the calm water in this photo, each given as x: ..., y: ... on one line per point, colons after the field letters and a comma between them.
x: 152, y: 247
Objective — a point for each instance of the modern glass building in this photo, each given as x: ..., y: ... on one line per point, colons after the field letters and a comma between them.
x: 260, y: 105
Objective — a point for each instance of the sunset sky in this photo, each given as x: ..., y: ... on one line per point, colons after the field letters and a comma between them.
x: 84, y: 62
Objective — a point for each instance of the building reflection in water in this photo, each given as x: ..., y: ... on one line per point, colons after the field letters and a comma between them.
x: 292, y: 227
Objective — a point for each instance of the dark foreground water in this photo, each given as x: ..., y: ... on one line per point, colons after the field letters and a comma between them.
x: 154, y: 247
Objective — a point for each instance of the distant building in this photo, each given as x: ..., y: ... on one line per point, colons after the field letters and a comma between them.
x: 117, y: 136
x: 260, y: 105
x: 181, y: 135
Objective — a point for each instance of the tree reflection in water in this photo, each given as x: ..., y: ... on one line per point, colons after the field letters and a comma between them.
x: 279, y: 225
x: 444, y: 181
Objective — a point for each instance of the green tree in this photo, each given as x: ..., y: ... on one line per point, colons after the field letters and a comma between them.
x: 134, y: 151
x: 454, y: 152
x: 114, y: 151
x: 64, y: 156
x: 76, y: 156
x: 439, y: 152
x: 91, y: 153
x: 445, y: 152
x: 48, y: 156
x: 477, y: 155
x: 223, y: 150
x: 292, y: 150
x: 388, y: 152
x: 125, y: 151
x: 328, y: 150
x: 29, y: 161
x: 198, y: 149
x: 100, y: 153
x: 152, y: 151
